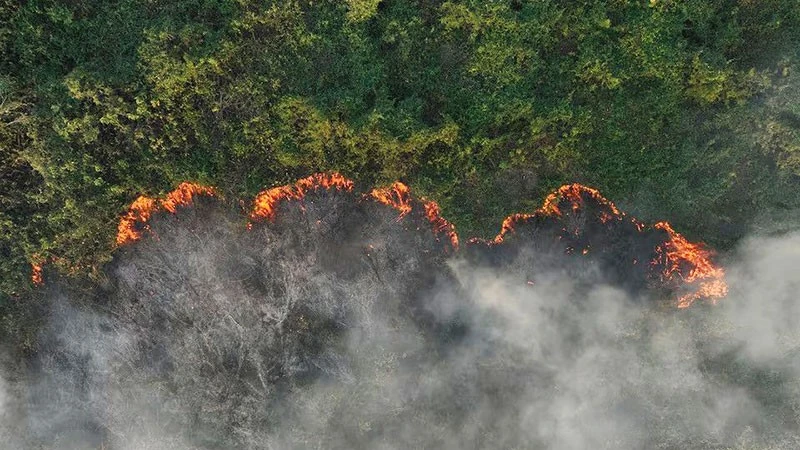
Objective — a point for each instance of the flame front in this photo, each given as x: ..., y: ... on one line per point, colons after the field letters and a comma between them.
x: 183, y: 194
x: 266, y: 202
x: 509, y: 224
x: 135, y: 220
x: 574, y: 194
x: 138, y: 213
x: 678, y: 254
x: 36, y: 273
x: 398, y: 196
x: 681, y: 260
x: 440, y: 224
x: 553, y: 206
x: 676, y: 259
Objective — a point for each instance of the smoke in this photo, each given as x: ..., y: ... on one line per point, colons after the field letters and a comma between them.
x: 765, y: 308
x: 342, y: 325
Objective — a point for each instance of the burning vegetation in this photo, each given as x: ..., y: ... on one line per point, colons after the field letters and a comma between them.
x: 266, y: 203
x: 689, y: 263
x: 578, y: 220
x: 399, y: 197
x: 36, y: 273
x: 134, y: 222
x: 575, y: 218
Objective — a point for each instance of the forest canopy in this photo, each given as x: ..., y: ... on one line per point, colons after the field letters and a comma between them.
x: 683, y: 110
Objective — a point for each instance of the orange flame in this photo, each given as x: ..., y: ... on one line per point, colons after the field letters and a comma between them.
x: 135, y: 220
x: 139, y: 212
x: 679, y: 253
x: 183, y: 194
x: 439, y: 223
x: 38, y: 262
x: 509, y: 224
x: 36, y: 274
x: 574, y: 193
x: 398, y: 196
x: 266, y: 202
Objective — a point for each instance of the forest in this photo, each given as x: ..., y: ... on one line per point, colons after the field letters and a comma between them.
x: 280, y: 224
x: 681, y: 110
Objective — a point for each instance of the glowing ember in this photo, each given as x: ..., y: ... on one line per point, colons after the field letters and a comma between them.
x: 266, y: 202
x: 135, y: 220
x: 679, y: 255
x: 36, y: 272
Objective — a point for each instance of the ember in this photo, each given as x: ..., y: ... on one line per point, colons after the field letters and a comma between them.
x: 36, y: 274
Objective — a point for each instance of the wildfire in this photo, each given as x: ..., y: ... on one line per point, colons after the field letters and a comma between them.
x: 398, y: 196
x: 138, y: 213
x: 509, y: 224
x: 135, y: 220
x: 569, y: 197
x: 680, y: 259
x: 675, y: 261
x: 183, y: 194
x: 439, y: 223
x: 36, y: 273
x: 266, y: 202
x: 678, y: 255
x: 575, y: 194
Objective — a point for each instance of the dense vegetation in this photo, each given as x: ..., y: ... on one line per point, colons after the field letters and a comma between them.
x: 684, y: 110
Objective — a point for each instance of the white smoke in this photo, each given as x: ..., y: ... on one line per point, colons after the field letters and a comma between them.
x: 625, y: 374
x: 11, y: 409
x: 764, y: 306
